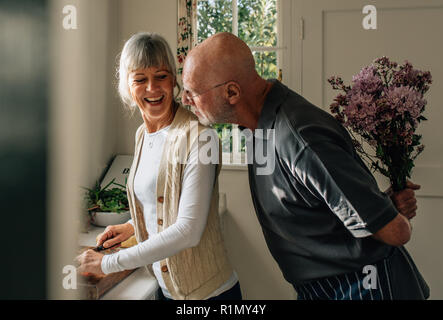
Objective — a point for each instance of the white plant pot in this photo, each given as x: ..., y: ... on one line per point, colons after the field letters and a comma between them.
x: 104, y: 219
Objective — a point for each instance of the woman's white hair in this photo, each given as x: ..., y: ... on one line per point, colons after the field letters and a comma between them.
x: 143, y: 50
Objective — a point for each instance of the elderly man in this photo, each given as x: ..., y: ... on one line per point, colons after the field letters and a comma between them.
x: 334, y: 234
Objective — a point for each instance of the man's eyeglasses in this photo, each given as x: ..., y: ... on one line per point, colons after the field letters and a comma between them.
x: 190, y: 96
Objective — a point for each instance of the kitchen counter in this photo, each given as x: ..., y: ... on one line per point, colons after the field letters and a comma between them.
x: 139, y: 285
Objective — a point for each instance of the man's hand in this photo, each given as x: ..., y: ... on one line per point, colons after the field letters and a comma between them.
x: 90, y: 262
x: 398, y: 231
x: 114, y: 235
x: 405, y: 200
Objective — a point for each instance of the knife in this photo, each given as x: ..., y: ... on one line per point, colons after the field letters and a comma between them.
x: 101, y: 248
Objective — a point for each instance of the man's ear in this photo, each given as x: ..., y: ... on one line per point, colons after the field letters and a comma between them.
x: 233, y: 92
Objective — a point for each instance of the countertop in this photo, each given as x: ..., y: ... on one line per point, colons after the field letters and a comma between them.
x: 139, y: 285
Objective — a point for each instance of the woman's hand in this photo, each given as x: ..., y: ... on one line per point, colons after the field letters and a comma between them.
x: 115, y: 235
x: 90, y: 262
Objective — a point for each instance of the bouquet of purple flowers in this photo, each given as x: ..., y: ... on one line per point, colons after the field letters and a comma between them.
x: 384, y: 105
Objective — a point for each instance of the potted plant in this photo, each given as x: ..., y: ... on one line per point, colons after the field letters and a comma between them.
x: 107, y: 206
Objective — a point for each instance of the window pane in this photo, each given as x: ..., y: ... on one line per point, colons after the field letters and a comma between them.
x: 213, y: 16
x: 257, y: 22
x: 225, y: 134
x: 266, y: 64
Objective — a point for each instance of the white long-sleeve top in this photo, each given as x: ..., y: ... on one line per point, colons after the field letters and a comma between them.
x: 186, y: 232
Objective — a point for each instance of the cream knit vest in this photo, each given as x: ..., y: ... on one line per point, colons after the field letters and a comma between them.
x: 193, y: 273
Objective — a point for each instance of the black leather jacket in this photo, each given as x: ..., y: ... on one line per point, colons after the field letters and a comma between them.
x: 320, y: 204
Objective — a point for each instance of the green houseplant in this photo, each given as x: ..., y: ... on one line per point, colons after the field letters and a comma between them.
x: 107, y: 206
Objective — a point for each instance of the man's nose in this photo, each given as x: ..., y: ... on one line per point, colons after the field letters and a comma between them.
x: 185, y: 99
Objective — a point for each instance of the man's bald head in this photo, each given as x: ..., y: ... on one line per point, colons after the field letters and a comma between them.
x: 221, y: 57
x: 221, y: 84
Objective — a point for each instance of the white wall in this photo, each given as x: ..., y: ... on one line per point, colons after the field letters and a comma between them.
x: 259, y: 274
x: 425, y: 244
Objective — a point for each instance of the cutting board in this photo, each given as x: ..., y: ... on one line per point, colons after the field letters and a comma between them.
x: 95, y: 286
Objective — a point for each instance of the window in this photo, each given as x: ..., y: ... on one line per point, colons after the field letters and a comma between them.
x: 256, y: 22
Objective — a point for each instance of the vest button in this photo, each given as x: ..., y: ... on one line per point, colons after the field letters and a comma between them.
x: 160, y: 222
x: 160, y: 199
x: 164, y: 269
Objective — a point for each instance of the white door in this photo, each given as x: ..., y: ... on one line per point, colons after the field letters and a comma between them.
x: 332, y: 41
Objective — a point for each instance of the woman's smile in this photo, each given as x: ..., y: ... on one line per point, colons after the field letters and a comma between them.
x: 155, y: 100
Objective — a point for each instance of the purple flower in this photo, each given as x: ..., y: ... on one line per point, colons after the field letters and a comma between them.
x: 405, y: 99
x: 408, y: 76
x: 367, y: 81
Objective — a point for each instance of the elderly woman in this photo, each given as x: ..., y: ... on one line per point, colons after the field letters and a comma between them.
x: 173, y: 204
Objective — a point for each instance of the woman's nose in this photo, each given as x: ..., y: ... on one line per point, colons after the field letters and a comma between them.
x: 151, y: 86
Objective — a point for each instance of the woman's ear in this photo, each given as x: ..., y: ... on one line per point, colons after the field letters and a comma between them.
x: 233, y: 92
x: 131, y: 93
